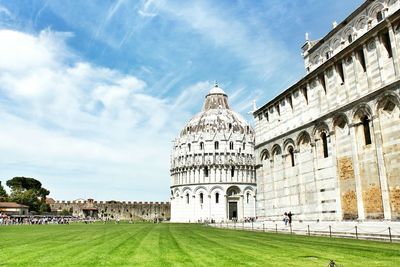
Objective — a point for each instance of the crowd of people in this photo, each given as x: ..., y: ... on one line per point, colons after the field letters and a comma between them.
x: 35, y: 219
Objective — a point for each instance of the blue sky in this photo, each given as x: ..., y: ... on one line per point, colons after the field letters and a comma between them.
x: 93, y: 92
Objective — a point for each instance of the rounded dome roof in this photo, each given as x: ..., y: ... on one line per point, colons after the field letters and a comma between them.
x: 216, y: 116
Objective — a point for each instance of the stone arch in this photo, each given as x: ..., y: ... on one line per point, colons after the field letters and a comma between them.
x: 249, y: 188
x: 361, y: 22
x: 335, y: 44
x: 321, y: 135
x: 316, y: 59
x: 340, y: 119
x: 302, y: 138
x: 325, y: 50
x: 186, y: 189
x: 319, y: 128
x: 387, y: 99
x: 176, y: 191
x: 215, y: 188
x: 264, y: 154
x: 361, y: 110
x: 233, y: 190
x: 374, y: 9
x: 348, y: 31
x: 276, y: 150
x: 288, y: 142
x: 195, y: 191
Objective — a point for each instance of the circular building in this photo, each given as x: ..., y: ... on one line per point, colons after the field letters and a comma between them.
x: 213, y: 165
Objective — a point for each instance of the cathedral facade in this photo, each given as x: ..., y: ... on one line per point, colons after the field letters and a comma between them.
x: 213, y: 165
x: 328, y: 147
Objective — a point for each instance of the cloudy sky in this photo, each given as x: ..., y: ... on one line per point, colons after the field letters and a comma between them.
x: 93, y: 92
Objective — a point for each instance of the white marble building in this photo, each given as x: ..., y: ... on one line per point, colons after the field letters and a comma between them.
x: 212, y: 165
x: 328, y: 147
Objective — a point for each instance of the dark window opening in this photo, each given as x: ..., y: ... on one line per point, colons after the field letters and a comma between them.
x: 379, y: 16
x: 386, y: 43
x: 244, y: 146
x: 350, y: 38
x: 361, y: 58
x: 187, y: 198
x: 327, y: 55
x: 217, y: 198
x: 216, y: 145
x: 304, y: 90
x: 291, y: 154
x: 230, y: 126
x: 322, y: 81
x: 201, y: 145
x: 232, y: 171
x: 324, y: 144
x: 367, y: 131
x: 201, y: 198
x: 205, y: 171
x: 248, y: 197
x: 278, y: 109
x: 189, y: 146
x: 339, y: 68
x: 289, y: 99
x: 231, y: 145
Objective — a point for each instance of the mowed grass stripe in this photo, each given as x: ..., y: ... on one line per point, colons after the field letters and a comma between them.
x: 180, y: 245
x: 171, y: 251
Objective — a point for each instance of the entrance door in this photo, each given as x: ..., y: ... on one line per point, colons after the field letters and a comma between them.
x: 233, y: 210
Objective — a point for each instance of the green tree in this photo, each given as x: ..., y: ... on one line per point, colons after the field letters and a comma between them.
x: 29, y: 191
x: 3, y: 193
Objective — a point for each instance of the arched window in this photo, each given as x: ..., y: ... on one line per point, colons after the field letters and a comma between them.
x: 201, y: 198
x: 367, y: 131
x: 187, y: 198
x: 189, y: 146
x: 248, y: 197
x: 230, y: 126
x: 206, y: 171
x: 291, y: 154
x: 217, y: 198
x: 232, y: 171
x: 244, y: 145
x: 216, y: 145
x: 379, y: 16
x: 350, y: 38
x: 201, y: 145
x: 324, y: 144
x: 231, y: 145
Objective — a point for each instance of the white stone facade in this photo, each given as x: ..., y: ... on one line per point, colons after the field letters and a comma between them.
x: 213, y: 165
x: 328, y: 147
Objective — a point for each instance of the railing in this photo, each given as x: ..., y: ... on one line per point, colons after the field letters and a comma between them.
x: 377, y: 232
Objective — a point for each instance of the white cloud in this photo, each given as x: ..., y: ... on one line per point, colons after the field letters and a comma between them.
x: 67, y: 117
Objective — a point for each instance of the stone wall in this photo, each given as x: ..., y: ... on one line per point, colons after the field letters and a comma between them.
x: 137, y: 211
x: 328, y: 148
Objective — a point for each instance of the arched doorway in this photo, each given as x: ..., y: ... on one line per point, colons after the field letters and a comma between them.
x: 233, y: 197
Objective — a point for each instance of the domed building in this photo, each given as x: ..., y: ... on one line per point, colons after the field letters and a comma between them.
x: 213, y: 165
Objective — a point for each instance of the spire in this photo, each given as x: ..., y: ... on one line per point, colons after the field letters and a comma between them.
x: 215, y: 84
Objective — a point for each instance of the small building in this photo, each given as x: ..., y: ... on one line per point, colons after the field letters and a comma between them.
x: 13, y: 208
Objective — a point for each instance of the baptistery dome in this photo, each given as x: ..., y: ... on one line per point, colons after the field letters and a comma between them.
x: 212, y: 165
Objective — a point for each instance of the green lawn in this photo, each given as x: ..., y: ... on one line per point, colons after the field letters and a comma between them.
x: 180, y: 245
